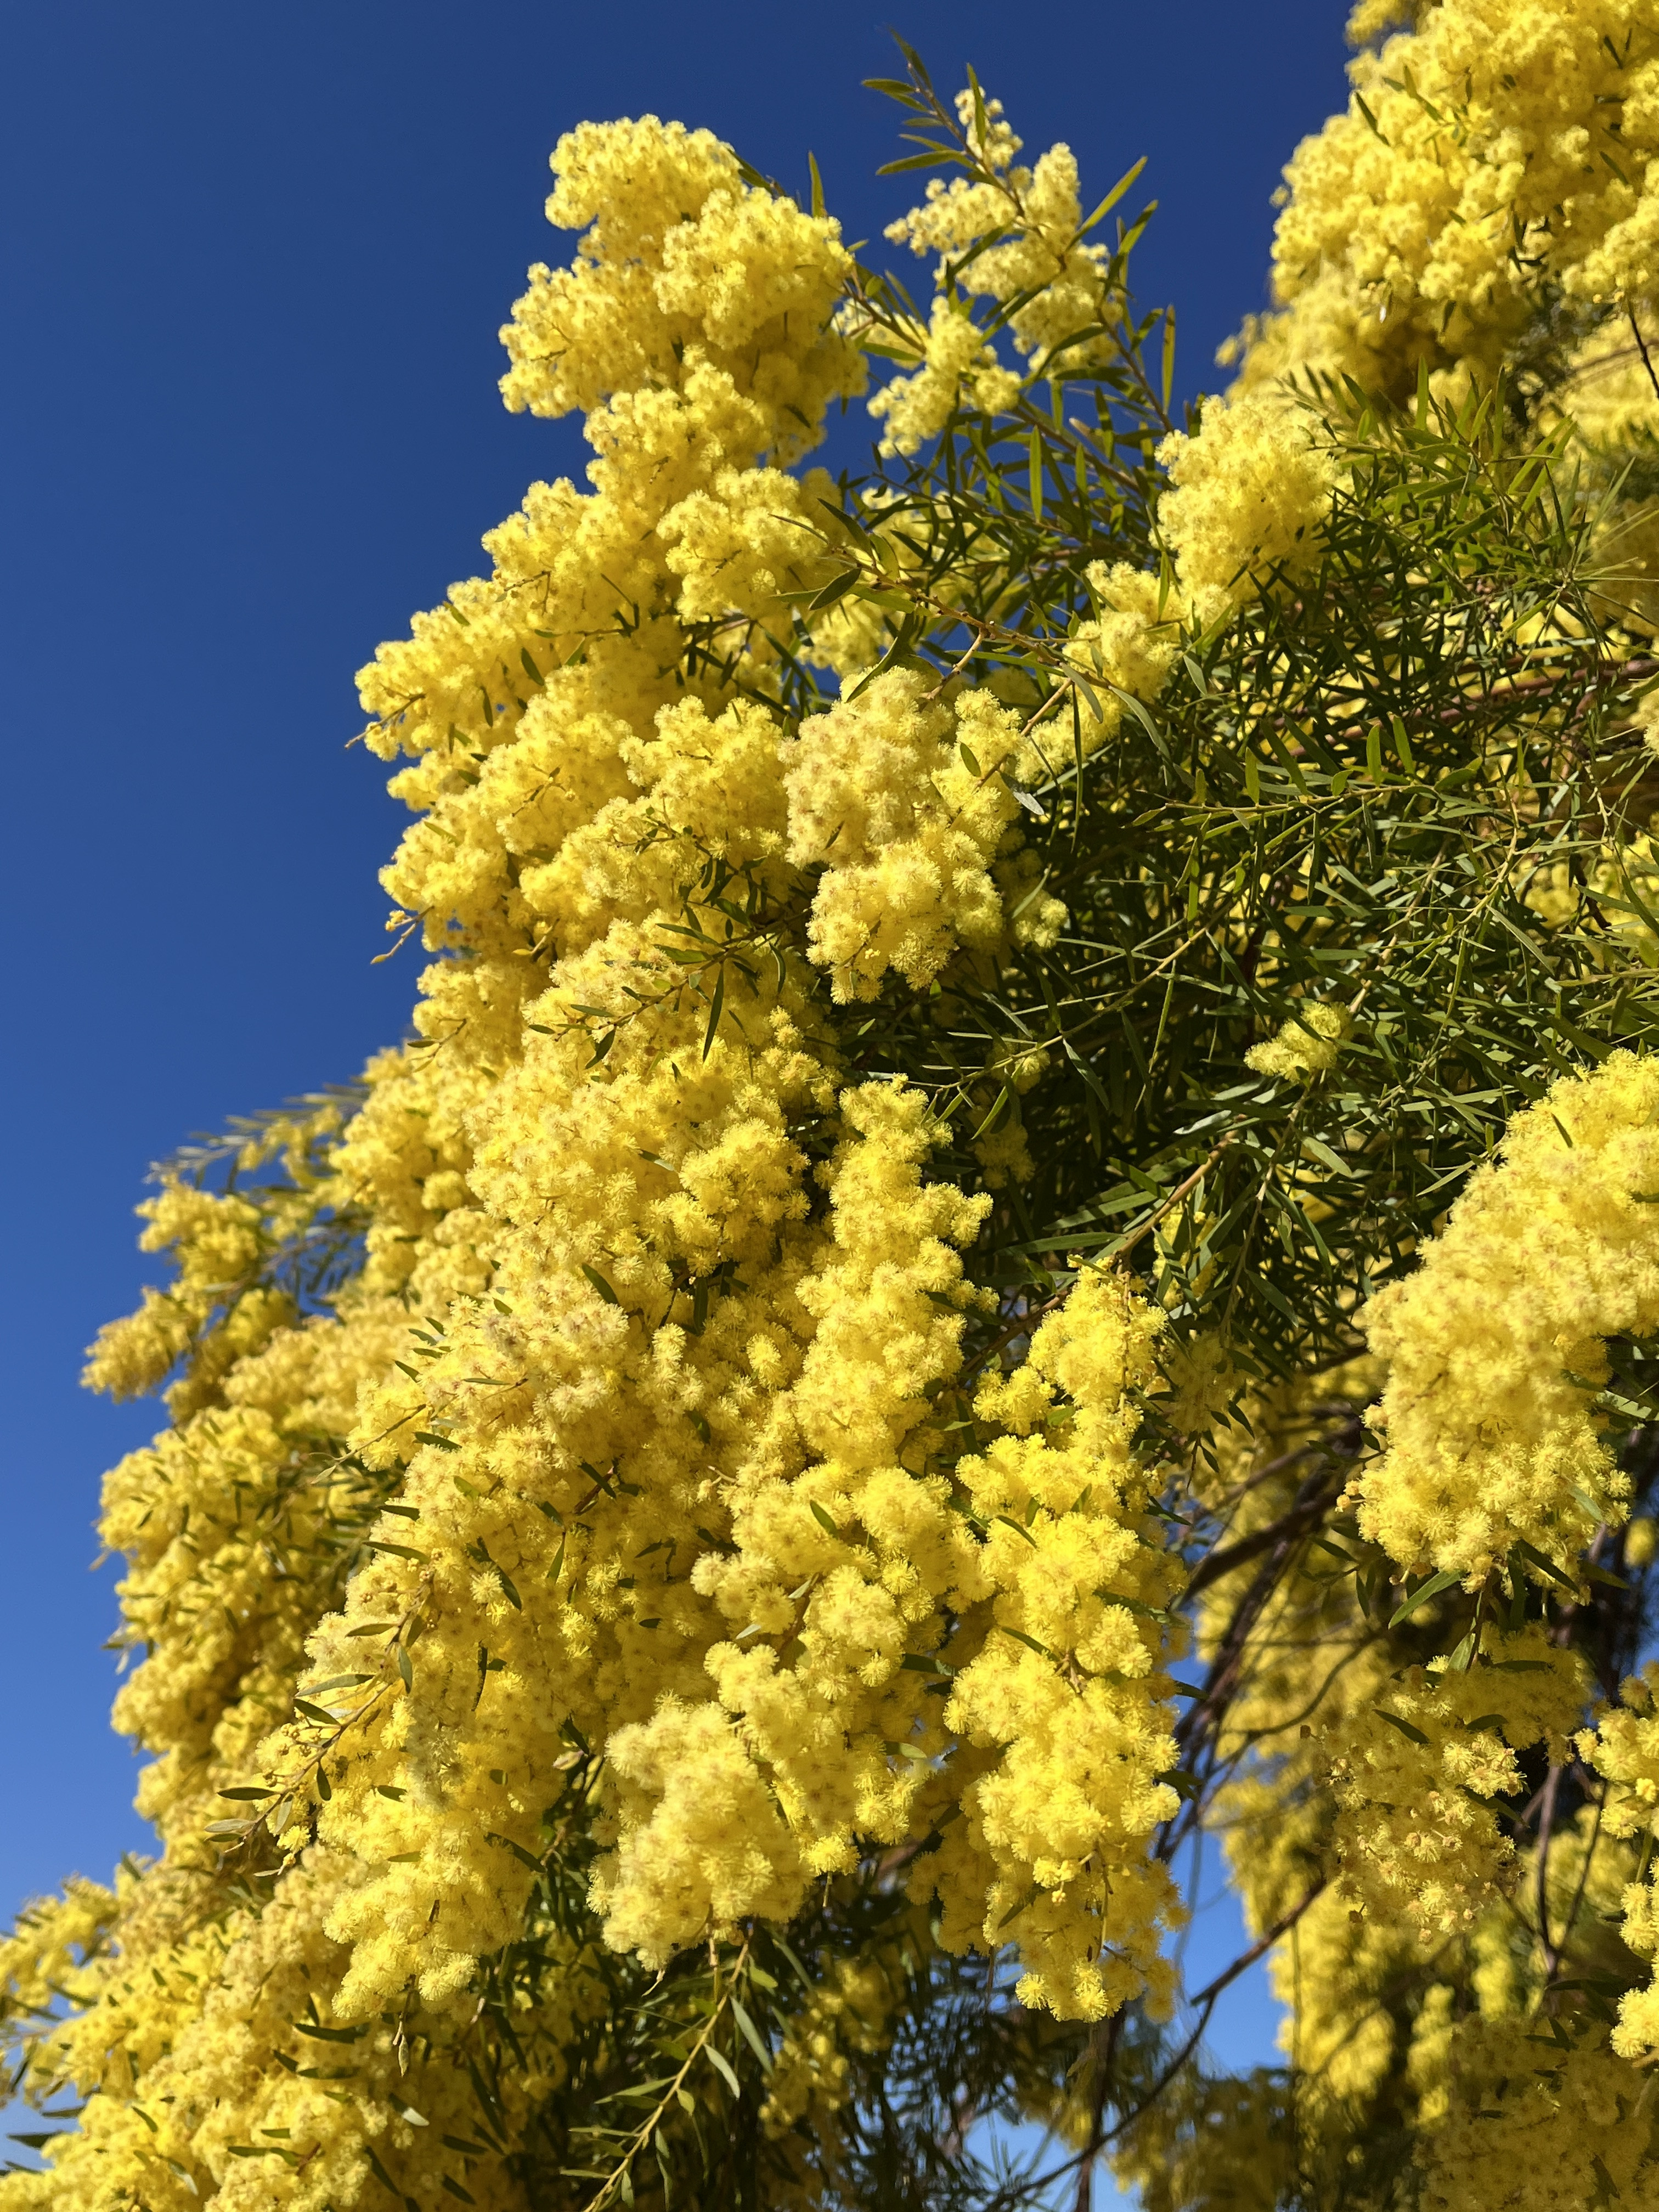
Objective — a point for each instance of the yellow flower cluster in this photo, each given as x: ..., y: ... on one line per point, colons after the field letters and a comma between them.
x: 1518, y: 2115
x: 1416, y: 1767
x: 1305, y: 1047
x: 1498, y: 148
x: 898, y: 798
x: 1528, y: 2132
x: 1246, y: 502
x: 1497, y: 1344
x: 1242, y: 514
x: 628, y: 1447
x: 1415, y: 1967
x: 1623, y: 1747
x: 1015, y: 236
x: 1496, y: 1347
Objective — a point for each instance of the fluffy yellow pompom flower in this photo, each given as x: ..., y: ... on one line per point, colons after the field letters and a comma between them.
x: 1247, y: 497
x: 898, y: 794
x: 1305, y: 1047
x: 1496, y: 1344
x: 1499, y: 146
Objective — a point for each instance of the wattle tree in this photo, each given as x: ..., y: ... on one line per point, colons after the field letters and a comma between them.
x: 1019, y: 1233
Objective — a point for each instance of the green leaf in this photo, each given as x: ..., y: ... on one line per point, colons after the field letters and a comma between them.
x: 714, y: 1012
x: 1536, y: 1558
x: 836, y: 588
x: 1021, y: 1904
x: 722, y: 2068
x: 1405, y: 1728
x: 599, y: 1283
x: 507, y: 1843
x: 1447, y: 1577
x: 895, y: 653
x: 824, y: 1519
x: 1169, y: 355
x: 1020, y: 1636
x: 928, y: 161
x: 752, y: 2034
x: 1602, y: 1575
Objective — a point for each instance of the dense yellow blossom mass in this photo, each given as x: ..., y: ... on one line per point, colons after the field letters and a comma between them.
x: 634, y: 1408
x: 1497, y: 148
x: 1496, y: 1346
x: 771, y: 1424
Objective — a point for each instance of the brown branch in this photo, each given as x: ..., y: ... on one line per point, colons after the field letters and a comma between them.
x: 1205, y: 2004
x: 1173, y: 1198
x: 1641, y: 347
x: 1223, y: 1677
x: 1288, y: 1525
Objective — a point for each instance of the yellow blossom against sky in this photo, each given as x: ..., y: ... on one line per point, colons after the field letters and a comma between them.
x: 984, y: 1256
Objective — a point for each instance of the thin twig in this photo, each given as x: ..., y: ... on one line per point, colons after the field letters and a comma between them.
x: 1205, y: 2004
x: 1641, y: 347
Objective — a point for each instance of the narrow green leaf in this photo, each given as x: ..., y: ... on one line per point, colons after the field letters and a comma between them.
x: 1405, y: 1728
x: 1114, y: 196
x: 752, y: 2034
x: 507, y: 1843
x: 714, y: 1012
x: 1536, y: 1558
x: 1020, y: 1904
x: 1168, y: 355
x: 1443, y: 1581
x: 1029, y: 1641
x: 1370, y: 118
x: 836, y: 588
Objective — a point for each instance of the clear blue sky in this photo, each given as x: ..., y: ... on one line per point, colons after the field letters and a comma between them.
x: 253, y: 268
